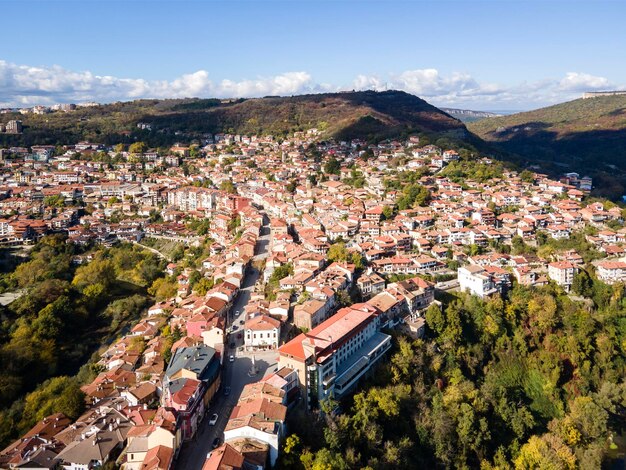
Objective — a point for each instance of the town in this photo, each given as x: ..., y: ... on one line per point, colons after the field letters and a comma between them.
x: 291, y: 265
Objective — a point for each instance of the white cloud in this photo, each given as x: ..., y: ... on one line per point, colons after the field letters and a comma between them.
x: 24, y: 85
x: 580, y: 82
x: 462, y: 90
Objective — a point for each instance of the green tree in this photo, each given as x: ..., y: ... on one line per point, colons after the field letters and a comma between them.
x: 57, y: 395
x: 332, y: 166
x: 582, y: 284
x: 228, y: 186
x: 137, y: 147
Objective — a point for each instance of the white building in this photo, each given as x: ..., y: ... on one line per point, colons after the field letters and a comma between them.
x: 475, y: 280
x: 611, y: 271
x: 261, y: 332
x: 562, y: 272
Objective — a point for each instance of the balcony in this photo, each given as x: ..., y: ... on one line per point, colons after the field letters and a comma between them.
x: 359, y: 362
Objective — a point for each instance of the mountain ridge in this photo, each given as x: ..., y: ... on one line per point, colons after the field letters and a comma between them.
x: 587, y: 136
x: 345, y: 115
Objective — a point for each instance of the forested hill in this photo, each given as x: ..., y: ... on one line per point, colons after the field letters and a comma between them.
x: 346, y: 115
x: 584, y: 135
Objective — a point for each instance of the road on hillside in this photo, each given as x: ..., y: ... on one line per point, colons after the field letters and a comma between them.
x: 235, y: 375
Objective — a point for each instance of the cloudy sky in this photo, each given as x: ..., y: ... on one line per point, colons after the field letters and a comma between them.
x: 488, y: 55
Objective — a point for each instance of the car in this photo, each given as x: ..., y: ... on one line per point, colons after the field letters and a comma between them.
x: 227, y: 391
x: 216, y: 442
x: 231, y: 358
x: 233, y: 345
x: 213, y: 420
x: 234, y: 327
x: 242, y: 322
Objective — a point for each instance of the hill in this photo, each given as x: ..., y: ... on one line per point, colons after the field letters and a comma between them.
x: 587, y: 136
x: 367, y: 114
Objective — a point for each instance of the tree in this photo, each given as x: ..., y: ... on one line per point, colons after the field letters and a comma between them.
x: 162, y: 289
x: 332, y: 166
x: 228, y: 186
x: 435, y: 319
x: 582, y: 284
x: 203, y: 286
x: 57, y: 395
x: 527, y: 176
x: 338, y: 253
x: 137, y: 147
x: 545, y: 453
x: 388, y: 212
x: 99, y: 271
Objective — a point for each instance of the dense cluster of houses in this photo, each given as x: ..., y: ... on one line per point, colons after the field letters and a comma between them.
x: 157, y: 382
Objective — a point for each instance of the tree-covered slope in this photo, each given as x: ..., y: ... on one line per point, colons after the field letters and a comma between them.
x: 584, y: 135
x: 345, y: 115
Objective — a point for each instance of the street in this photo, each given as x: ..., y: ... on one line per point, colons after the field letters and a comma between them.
x: 235, y: 374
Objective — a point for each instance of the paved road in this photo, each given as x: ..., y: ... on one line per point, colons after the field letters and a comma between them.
x: 153, y: 250
x: 235, y: 374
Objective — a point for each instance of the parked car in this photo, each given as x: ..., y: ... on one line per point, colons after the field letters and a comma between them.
x: 242, y: 322
x: 234, y: 327
x: 216, y: 442
x: 213, y: 419
x: 231, y: 358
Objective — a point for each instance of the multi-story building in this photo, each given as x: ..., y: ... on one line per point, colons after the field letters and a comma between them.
x: 611, y: 271
x: 475, y: 280
x: 562, y: 272
x: 191, y: 380
x: 332, y: 357
x: 14, y: 127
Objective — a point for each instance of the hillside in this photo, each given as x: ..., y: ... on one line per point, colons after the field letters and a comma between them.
x: 346, y: 115
x: 585, y: 135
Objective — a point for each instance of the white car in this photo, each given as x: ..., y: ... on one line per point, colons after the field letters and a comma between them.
x: 213, y: 419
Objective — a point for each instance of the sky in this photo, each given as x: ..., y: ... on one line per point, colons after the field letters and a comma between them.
x: 482, y: 55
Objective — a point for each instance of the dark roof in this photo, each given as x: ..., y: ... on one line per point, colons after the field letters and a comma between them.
x: 200, y: 360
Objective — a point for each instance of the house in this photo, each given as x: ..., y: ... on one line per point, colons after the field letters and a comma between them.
x: 310, y: 313
x: 38, y: 448
x: 148, y: 442
x: 225, y: 457
x: 145, y: 392
x: 562, y: 272
x: 261, y: 332
x: 611, y: 271
x: 103, y: 437
x: 370, y: 284
x: 258, y: 419
x: 475, y: 280
x: 416, y: 293
x: 190, y: 382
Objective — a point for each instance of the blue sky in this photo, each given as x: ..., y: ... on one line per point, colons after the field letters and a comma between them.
x: 470, y: 54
